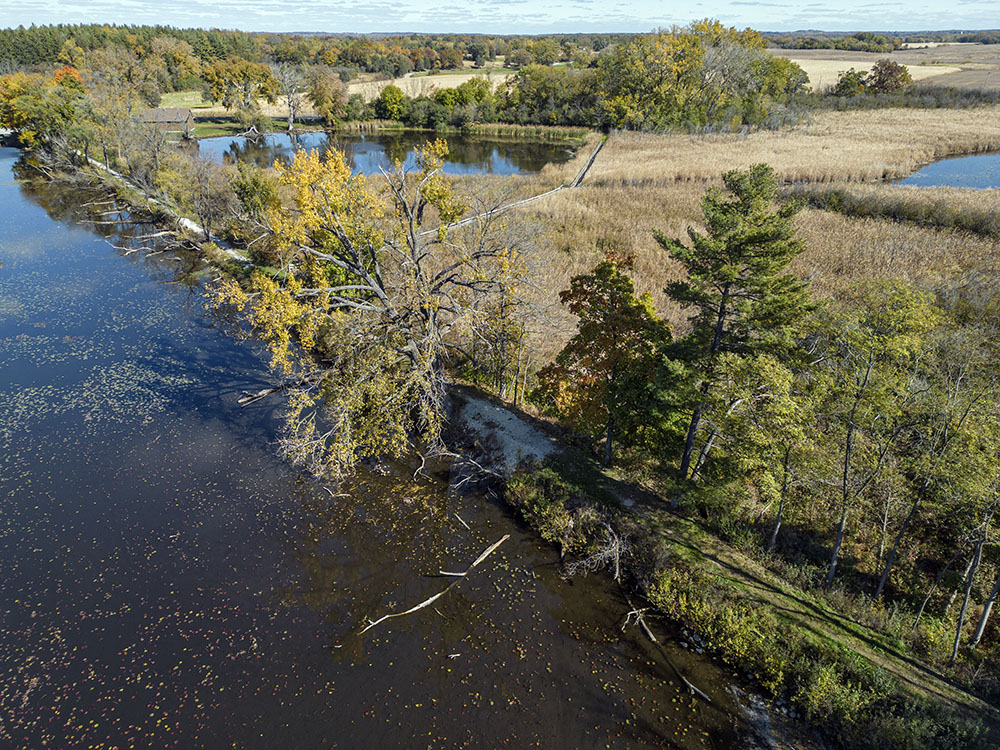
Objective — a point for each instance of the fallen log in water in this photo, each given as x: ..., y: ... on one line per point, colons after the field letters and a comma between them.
x: 427, y: 602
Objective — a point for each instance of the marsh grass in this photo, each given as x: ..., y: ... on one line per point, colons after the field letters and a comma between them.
x: 965, y: 209
x: 840, y: 249
x: 856, y: 146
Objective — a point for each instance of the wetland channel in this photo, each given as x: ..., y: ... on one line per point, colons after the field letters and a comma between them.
x: 168, y: 582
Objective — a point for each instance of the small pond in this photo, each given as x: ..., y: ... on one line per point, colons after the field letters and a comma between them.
x: 367, y: 152
x: 980, y: 171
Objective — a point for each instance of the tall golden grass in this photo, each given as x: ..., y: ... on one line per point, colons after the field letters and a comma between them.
x: 968, y: 209
x: 856, y: 146
x: 840, y: 249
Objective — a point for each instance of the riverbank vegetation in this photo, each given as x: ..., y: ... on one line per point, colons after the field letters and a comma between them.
x: 802, y: 397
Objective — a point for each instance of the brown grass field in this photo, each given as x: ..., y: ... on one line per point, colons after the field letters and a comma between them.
x: 959, y: 65
x: 414, y: 86
x: 869, y: 145
x: 641, y: 182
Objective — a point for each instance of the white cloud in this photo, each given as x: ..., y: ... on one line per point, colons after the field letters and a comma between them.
x: 490, y: 16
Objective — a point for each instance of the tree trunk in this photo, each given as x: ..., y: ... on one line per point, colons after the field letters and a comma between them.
x: 607, y: 441
x: 933, y: 588
x: 517, y: 373
x: 954, y: 593
x: 965, y: 601
x: 987, y: 608
x: 781, y: 504
x: 831, y: 571
x: 720, y: 327
x: 895, y: 545
x: 689, y: 441
x: 703, y: 454
x: 845, y: 498
x: 884, y: 529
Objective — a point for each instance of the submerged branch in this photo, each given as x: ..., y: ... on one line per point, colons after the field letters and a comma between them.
x: 459, y: 576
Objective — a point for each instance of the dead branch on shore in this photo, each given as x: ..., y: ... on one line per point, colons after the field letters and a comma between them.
x: 608, y: 554
x: 252, y: 398
x: 459, y: 576
x: 637, y: 615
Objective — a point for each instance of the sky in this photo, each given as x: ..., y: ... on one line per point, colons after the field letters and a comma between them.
x: 508, y: 16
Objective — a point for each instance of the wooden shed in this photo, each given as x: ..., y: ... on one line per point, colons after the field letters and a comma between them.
x: 172, y: 119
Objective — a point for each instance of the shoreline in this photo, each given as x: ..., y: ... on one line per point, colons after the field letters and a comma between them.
x: 700, y: 586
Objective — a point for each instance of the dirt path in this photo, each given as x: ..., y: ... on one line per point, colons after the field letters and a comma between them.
x: 813, y: 615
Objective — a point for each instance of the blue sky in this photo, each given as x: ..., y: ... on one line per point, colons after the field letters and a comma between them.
x: 507, y: 16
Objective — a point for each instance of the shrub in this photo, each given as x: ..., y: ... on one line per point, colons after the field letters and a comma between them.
x: 547, y: 503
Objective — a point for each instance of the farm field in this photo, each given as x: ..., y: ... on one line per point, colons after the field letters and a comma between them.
x: 422, y: 85
x: 960, y: 65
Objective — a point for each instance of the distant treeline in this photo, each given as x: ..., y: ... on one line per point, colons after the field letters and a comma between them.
x: 864, y: 41
x: 391, y: 55
x: 881, y: 41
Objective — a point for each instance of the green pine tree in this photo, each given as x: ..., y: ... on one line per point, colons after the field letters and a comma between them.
x: 744, y: 302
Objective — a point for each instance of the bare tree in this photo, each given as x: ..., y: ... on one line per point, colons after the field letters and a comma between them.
x: 291, y: 88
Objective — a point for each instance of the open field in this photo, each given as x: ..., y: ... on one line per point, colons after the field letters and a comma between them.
x: 869, y: 145
x: 412, y: 86
x: 424, y: 85
x: 960, y: 65
x: 824, y: 71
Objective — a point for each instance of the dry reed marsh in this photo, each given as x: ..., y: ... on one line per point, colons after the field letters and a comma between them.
x: 840, y: 249
x: 855, y: 146
x: 965, y: 209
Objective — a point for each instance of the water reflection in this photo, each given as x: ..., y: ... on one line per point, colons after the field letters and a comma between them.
x: 367, y: 153
x: 168, y: 583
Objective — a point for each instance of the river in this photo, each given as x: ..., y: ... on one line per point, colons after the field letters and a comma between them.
x: 169, y: 583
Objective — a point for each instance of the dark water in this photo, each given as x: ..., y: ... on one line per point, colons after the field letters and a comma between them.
x: 367, y: 152
x: 168, y: 583
x: 980, y: 171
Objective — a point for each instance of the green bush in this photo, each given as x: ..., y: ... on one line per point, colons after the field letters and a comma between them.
x: 548, y: 504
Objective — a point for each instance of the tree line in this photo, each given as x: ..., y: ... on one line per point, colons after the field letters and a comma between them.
x: 857, y: 435
x: 392, y: 55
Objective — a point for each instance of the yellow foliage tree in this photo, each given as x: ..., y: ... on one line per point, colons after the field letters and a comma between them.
x: 372, y: 304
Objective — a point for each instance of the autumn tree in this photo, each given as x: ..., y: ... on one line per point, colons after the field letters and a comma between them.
x: 390, y: 102
x: 598, y: 382
x: 744, y: 302
x: 764, y: 422
x: 38, y: 108
x: 326, y: 92
x: 850, y: 82
x: 887, y: 76
x: 943, y: 449
x: 179, y: 66
x: 239, y: 85
x: 290, y: 81
x: 201, y: 188
x: 871, y: 340
x: 123, y: 75
x: 372, y: 306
